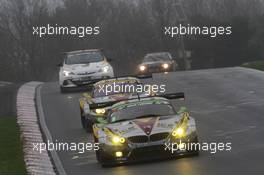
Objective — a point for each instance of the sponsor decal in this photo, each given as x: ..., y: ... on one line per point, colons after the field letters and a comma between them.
x: 146, y: 124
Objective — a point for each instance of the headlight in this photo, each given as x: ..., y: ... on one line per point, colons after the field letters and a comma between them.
x: 105, y: 69
x: 179, y: 132
x: 142, y: 68
x: 67, y: 73
x: 165, y: 65
x: 100, y: 111
x: 118, y: 140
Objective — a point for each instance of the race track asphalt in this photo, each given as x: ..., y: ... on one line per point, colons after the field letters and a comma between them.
x: 228, y: 105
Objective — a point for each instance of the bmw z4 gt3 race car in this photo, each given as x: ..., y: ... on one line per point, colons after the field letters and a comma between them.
x: 83, y: 67
x: 145, y: 129
x: 90, y: 116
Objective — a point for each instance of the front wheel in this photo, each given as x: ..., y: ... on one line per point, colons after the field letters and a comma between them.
x: 98, y: 158
x: 103, y: 159
x: 63, y: 90
x: 86, y: 124
x: 194, y: 150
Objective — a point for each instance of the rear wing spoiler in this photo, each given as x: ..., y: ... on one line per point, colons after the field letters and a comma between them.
x: 126, y: 76
x: 171, y: 96
x: 134, y: 76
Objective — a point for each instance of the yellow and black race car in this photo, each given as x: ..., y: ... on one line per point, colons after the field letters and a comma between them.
x: 145, y: 128
x: 102, y: 92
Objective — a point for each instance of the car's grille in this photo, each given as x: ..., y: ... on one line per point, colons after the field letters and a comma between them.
x: 151, y: 138
x: 138, y: 139
x: 85, y: 73
x: 159, y: 136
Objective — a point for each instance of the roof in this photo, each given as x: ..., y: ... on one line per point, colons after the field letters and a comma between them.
x: 158, y: 53
x: 83, y: 51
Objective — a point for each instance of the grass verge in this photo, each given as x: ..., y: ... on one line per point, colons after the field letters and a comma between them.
x: 259, y: 65
x: 11, y: 154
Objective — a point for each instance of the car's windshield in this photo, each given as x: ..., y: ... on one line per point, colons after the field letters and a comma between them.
x: 141, y: 111
x: 84, y: 58
x: 115, y: 88
x: 157, y: 57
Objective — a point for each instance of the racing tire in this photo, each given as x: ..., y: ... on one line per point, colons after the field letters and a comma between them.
x: 193, y: 151
x: 98, y: 156
x: 83, y: 122
x: 86, y: 124
x: 63, y: 90
x: 103, y: 160
x: 82, y: 118
x: 95, y: 139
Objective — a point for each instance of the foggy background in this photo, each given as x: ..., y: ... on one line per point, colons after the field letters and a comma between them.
x: 128, y: 30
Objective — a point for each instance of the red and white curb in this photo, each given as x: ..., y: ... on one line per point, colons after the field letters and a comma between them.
x: 36, y: 163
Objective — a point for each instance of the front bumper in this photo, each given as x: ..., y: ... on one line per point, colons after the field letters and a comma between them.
x: 155, y: 69
x: 78, y: 81
x: 144, y: 151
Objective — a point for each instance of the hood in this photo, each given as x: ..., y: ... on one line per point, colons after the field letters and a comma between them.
x: 82, y: 68
x: 145, y: 126
x: 155, y: 62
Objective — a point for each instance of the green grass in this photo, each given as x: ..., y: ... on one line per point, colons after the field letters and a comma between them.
x: 11, y: 155
x: 259, y: 65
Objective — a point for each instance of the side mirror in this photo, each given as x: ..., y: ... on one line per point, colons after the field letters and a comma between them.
x: 59, y: 65
x: 86, y: 108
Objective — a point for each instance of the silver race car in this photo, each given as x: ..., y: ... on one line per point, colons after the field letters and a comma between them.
x: 157, y: 63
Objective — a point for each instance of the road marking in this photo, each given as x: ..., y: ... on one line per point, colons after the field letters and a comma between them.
x: 239, y: 131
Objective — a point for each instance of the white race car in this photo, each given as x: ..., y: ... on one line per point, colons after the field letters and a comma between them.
x: 83, y: 67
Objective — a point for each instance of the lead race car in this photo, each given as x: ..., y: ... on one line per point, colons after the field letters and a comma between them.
x: 89, y: 117
x: 142, y: 128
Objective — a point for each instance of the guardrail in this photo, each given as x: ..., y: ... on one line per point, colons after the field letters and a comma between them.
x: 36, y: 162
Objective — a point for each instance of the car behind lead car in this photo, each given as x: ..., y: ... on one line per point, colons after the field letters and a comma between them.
x: 139, y: 129
x: 89, y: 117
x: 83, y: 67
x: 157, y: 63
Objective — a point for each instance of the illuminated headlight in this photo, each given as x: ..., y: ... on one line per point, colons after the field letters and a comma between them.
x: 165, y: 66
x: 67, y: 73
x: 118, y: 140
x: 179, y: 132
x: 118, y: 154
x: 105, y: 69
x: 100, y: 111
x: 142, y: 68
